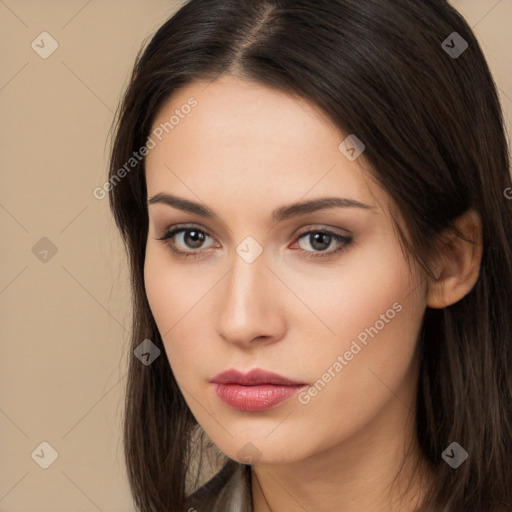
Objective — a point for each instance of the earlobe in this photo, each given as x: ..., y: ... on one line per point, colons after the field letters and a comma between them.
x: 458, y: 266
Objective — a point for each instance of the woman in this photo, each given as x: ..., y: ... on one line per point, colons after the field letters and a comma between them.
x: 313, y: 200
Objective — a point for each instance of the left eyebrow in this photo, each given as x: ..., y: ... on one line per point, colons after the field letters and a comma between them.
x: 295, y: 209
x: 278, y: 215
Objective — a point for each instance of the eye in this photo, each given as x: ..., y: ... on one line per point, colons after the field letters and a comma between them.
x: 185, y: 236
x: 320, y: 240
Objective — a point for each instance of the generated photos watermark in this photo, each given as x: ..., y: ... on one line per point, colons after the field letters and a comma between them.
x: 342, y: 361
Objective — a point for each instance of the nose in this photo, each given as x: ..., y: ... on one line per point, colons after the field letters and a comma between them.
x: 251, y: 311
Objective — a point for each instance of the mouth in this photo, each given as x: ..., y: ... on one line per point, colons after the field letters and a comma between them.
x: 255, y: 391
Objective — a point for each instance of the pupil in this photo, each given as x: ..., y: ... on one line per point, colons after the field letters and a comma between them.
x: 196, y: 237
x: 319, y: 238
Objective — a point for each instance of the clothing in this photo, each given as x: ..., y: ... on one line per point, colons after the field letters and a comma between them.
x: 228, y: 491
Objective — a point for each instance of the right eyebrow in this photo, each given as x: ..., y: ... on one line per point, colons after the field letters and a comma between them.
x: 183, y: 204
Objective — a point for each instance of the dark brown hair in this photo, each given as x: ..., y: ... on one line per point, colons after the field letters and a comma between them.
x: 433, y: 129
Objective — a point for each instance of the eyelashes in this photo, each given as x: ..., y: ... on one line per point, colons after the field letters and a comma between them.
x: 197, y: 237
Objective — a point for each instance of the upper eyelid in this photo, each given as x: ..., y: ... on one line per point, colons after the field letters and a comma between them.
x: 185, y: 227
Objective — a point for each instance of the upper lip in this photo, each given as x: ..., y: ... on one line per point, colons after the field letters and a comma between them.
x: 253, y: 378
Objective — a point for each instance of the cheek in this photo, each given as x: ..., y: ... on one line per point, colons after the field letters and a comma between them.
x: 174, y: 295
x: 373, y: 305
x: 377, y: 365
x: 349, y: 297
x: 160, y: 286
x: 357, y: 380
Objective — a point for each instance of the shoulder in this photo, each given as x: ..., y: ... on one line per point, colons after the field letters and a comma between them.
x: 228, y: 491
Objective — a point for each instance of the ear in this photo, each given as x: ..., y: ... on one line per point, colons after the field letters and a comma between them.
x: 458, y: 265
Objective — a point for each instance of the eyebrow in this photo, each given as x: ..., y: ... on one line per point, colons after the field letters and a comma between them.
x: 278, y: 215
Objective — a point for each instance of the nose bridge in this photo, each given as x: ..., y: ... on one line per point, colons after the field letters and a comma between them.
x: 248, y: 305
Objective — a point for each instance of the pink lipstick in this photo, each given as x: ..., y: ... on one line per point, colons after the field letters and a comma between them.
x: 257, y: 390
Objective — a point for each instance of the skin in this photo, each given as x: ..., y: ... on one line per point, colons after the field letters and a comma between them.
x: 243, y: 151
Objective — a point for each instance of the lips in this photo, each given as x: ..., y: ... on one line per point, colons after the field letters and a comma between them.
x: 257, y: 390
x: 254, y: 378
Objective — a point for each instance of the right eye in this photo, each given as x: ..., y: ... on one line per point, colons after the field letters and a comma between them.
x: 186, y: 236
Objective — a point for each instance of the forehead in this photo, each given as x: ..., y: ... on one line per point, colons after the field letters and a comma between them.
x: 251, y: 140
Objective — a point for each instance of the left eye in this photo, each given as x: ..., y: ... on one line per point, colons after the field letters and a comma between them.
x: 320, y: 240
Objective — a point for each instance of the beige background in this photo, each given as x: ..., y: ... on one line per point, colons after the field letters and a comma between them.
x: 65, y: 322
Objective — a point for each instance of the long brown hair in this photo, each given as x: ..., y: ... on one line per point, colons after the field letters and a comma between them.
x: 425, y: 104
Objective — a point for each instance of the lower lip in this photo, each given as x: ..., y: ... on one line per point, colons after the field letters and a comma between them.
x: 254, y: 398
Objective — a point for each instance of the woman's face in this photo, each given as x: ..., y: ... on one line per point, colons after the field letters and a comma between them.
x: 338, y: 312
